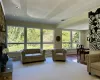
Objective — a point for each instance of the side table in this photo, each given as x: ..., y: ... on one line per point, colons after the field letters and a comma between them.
x: 7, y: 74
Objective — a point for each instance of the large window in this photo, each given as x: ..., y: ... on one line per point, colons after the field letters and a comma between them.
x: 75, y: 38
x: 15, y: 38
x: 66, y: 39
x: 33, y: 38
x: 70, y: 39
x: 20, y: 38
x: 48, y: 39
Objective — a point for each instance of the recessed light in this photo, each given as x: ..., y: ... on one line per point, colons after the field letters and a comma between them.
x: 17, y: 7
x: 63, y: 20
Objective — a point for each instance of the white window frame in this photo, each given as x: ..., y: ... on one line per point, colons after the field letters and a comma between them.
x: 25, y: 37
x: 72, y: 37
x: 15, y: 42
x: 32, y: 42
x: 48, y: 42
x: 71, y: 41
x: 66, y: 41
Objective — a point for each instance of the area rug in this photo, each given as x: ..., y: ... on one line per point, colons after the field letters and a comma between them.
x: 51, y: 71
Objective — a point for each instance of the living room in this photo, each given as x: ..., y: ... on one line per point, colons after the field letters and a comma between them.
x: 47, y: 26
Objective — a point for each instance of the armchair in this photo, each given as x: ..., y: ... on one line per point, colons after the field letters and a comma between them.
x: 59, y: 54
x: 93, y: 63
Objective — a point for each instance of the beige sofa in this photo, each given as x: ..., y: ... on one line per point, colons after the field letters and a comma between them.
x: 59, y: 54
x: 93, y: 64
x: 32, y: 55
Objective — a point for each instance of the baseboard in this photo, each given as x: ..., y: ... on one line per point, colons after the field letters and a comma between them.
x: 72, y: 54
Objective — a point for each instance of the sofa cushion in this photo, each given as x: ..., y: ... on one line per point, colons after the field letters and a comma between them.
x: 95, y: 65
x: 36, y: 54
x: 59, y: 53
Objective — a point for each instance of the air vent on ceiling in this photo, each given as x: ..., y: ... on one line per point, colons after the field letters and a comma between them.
x: 63, y: 20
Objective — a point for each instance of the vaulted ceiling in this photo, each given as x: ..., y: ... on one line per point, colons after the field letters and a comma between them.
x: 49, y: 11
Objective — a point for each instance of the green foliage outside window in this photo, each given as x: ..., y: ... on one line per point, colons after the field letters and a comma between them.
x: 75, y: 36
x: 67, y: 45
x: 65, y: 36
x: 47, y: 35
x: 33, y: 46
x: 47, y: 46
x: 15, y: 47
x: 33, y: 35
x: 66, y: 39
x: 15, y: 34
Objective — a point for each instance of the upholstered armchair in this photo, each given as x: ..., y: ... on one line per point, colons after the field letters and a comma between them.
x: 93, y: 63
x: 32, y: 55
x: 59, y: 54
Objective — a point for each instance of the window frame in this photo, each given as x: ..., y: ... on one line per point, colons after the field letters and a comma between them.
x: 48, y: 42
x: 78, y: 40
x: 25, y: 37
x: 15, y: 42
x: 32, y: 42
x: 71, y: 37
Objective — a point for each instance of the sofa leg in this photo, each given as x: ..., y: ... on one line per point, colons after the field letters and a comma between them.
x: 89, y: 73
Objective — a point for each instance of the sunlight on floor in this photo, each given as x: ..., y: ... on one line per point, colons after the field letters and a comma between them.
x: 75, y: 60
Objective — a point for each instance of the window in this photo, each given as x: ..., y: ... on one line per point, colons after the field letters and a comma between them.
x: 66, y: 45
x: 15, y: 47
x: 48, y: 39
x: 66, y: 39
x: 20, y: 38
x: 65, y: 36
x: 33, y: 46
x: 33, y: 38
x: 70, y: 39
x: 15, y: 38
x: 75, y: 38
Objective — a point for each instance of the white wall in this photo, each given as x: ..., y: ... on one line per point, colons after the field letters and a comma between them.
x: 58, y: 32
x: 83, y: 38
x: 86, y: 35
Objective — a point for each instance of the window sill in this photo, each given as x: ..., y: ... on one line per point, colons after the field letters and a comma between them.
x: 14, y: 52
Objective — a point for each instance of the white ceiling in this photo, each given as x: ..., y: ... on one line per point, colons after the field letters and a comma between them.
x: 49, y: 11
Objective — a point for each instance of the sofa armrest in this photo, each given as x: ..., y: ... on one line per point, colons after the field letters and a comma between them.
x: 42, y: 52
x: 22, y: 53
x: 91, y: 58
x: 53, y: 52
x: 64, y: 52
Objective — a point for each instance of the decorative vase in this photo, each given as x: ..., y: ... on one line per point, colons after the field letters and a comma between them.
x: 3, y: 62
x: 4, y: 59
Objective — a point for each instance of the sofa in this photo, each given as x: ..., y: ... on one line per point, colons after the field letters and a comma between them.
x: 32, y: 55
x: 93, y: 64
x: 59, y: 54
